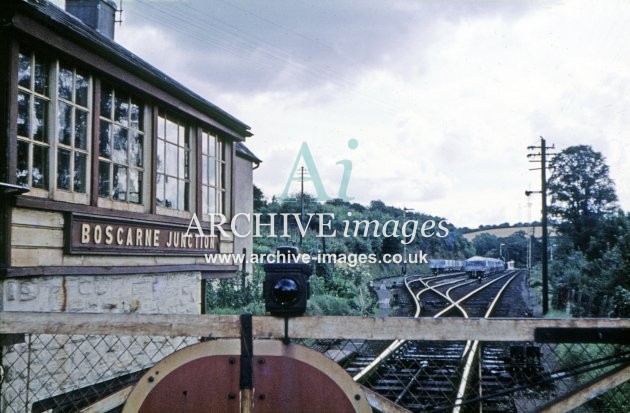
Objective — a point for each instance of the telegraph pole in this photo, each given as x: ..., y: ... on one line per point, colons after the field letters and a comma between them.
x: 545, y: 240
x: 301, y: 201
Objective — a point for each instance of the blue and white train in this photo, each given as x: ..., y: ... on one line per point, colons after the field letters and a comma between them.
x: 482, y: 266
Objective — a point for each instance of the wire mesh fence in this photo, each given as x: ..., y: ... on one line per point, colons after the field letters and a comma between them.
x: 432, y: 376
x: 66, y: 373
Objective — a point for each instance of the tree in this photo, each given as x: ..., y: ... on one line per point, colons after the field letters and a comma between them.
x: 515, y: 248
x: 259, y: 199
x: 581, y: 191
x: 486, y: 244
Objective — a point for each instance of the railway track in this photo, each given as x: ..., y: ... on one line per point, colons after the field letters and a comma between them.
x: 440, y: 376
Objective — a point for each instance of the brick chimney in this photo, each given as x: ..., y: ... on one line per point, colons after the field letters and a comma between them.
x: 98, y: 14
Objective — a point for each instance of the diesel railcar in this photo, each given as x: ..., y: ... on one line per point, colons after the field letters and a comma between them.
x: 482, y: 266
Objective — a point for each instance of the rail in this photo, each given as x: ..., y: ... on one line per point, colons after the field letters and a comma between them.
x: 473, y: 348
x: 396, y: 344
x: 436, y: 285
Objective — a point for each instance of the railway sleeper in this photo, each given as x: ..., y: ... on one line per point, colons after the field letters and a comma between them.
x: 499, y: 406
x: 417, y: 407
x: 443, y: 390
x: 388, y: 381
x: 492, y: 362
x: 502, y: 378
x: 496, y: 386
x: 383, y: 389
x: 436, y: 358
x: 431, y: 351
x: 494, y: 370
x: 432, y: 383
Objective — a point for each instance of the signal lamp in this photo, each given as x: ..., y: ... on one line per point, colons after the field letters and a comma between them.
x: 285, y: 292
x: 286, y: 287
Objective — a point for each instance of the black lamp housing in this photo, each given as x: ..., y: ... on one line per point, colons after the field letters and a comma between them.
x: 286, y: 287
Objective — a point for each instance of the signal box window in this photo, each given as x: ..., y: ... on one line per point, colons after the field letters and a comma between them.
x: 213, y: 171
x: 33, y: 124
x: 173, y: 164
x: 72, y: 129
x: 121, y: 147
x: 53, y: 128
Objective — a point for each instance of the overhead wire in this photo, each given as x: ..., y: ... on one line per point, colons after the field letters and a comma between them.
x: 261, y: 45
x: 287, y: 29
x: 258, y: 53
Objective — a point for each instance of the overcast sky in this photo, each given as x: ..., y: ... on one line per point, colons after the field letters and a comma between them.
x: 443, y: 97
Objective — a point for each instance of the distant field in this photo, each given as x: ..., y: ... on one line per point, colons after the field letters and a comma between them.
x: 507, y: 231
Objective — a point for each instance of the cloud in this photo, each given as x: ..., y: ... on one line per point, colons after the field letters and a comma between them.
x: 443, y: 96
x: 278, y: 45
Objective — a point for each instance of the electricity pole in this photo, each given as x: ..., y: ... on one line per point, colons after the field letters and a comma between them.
x: 542, y: 158
x: 301, y: 201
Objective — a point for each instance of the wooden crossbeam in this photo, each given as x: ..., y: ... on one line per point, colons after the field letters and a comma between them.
x: 588, y: 391
x: 382, y: 403
x: 328, y: 327
x: 110, y: 402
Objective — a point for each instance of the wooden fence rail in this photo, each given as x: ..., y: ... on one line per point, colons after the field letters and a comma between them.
x: 329, y: 327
